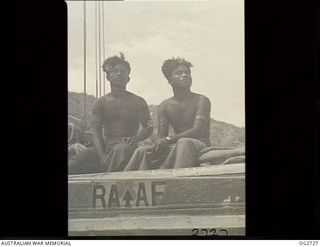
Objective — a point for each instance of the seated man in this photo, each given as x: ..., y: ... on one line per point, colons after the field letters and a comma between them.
x: 189, y: 115
x: 116, y: 118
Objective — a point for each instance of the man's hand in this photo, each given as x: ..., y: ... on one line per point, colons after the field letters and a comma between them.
x: 103, y: 159
x: 161, y: 145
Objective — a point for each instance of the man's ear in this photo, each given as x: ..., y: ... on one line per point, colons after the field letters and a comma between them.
x: 107, y: 77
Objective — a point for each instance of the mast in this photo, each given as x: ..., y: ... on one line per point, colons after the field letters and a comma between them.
x: 99, y: 67
x: 95, y: 46
x: 84, y: 62
x: 103, y: 47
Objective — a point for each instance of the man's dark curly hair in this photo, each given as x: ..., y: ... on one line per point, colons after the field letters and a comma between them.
x: 112, y: 61
x: 170, y: 65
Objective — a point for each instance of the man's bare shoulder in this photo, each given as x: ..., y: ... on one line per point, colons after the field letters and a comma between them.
x: 136, y: 98
x: 202, y: 99
x: 166, y: 102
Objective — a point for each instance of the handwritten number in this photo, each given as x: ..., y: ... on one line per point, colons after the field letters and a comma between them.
x: 206, y: 232
x: 224, y: 230
x: 195, y: 234
x: 214, y: 232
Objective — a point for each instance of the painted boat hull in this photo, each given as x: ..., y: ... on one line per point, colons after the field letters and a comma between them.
x: 191, y: 201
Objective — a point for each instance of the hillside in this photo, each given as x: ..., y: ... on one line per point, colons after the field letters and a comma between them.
x: 221, y: 133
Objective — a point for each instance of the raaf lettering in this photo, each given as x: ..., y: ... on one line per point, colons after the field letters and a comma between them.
x: 128, y: 197
x: 99, y: 192
x: 142, y: 195
x: 156, y: 194
x: 114, y: 197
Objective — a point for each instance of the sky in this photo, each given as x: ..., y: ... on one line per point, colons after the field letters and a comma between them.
x: 209, y: 34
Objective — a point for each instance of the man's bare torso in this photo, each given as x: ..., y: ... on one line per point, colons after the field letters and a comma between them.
x: 121, y: 115
x: 182, y: 114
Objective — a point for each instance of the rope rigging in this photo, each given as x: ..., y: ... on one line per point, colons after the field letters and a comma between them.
x: 99, y: 50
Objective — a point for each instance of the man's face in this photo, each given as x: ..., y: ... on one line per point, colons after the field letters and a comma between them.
x: 118, y: 75
x: 181, y: 77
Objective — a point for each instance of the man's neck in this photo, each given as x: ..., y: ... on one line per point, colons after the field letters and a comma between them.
x: 118, y: 92
x: 181, y: 93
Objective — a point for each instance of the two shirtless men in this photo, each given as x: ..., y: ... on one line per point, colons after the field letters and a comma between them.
x: 116, y: 118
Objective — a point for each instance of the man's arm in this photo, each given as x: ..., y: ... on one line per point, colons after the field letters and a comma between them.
x: 200, y: 121
x: 162, y: 144
x: 163, y: 122
x: 146, y: 122
x: 96, y: 127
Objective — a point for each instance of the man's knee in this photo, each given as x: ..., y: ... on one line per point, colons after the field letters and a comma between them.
x: 184, y: 141
x: 142, y: 150
x: 123, y: 147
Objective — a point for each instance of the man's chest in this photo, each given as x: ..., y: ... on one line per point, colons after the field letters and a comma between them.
x: 182, y: 113
x: 120, y: 110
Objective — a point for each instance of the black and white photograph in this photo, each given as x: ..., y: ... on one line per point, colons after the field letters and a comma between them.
x: 161, y: 119
x: 156, y: 118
